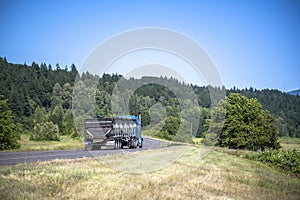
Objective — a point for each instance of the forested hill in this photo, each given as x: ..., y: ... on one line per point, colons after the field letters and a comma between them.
x: 29, y: 88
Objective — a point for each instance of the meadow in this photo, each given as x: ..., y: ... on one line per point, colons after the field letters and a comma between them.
x: 198, y: 173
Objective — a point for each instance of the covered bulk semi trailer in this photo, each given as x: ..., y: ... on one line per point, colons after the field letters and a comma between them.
x: 116, y: 132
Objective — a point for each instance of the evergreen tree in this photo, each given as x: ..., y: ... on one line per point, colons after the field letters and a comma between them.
x: 8, y: 129
x: 57, y: 95
x: 102, y: 99
x: 67, y: 96
x: 40, y: 115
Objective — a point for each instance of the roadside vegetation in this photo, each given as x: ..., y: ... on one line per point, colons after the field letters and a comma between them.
x: 192, y: 176
x: 285, y: 160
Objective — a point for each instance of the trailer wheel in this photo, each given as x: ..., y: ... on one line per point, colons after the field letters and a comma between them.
x: 116, y: 144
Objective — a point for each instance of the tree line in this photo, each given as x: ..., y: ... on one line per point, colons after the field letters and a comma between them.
x: 41, y: 97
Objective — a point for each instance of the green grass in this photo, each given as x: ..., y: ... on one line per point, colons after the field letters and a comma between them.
x: 192, y: 175
x: 65, y: 143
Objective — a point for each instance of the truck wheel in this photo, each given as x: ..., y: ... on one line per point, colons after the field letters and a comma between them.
x: 116, y: 144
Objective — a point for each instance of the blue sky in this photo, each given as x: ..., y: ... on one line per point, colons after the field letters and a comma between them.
x: 252, y: 43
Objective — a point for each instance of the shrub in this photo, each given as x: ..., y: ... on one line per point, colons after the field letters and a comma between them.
x: 286, y: 160
x: 45, y: 131
x: 164, y: 135
x: 197, y: 141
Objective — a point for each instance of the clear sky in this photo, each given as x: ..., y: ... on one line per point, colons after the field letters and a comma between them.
x: 252, y: 43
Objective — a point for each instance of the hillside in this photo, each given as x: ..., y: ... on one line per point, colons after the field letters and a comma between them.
x: 35, y: 90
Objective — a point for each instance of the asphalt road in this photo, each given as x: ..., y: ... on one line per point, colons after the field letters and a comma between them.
x: 12, y: 158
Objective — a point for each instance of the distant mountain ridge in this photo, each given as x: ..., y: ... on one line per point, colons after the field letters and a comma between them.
x: 295, y: 92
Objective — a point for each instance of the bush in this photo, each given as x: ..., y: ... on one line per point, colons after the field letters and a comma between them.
x: 164, y: 135
x: 45, y: 131
x: 287, y: 160
x: 197, y: 141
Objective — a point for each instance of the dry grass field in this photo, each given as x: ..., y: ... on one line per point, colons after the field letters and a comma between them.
x: 194, y: 173
x: 290, y: 143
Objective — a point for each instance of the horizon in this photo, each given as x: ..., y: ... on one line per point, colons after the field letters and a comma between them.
x: 253, y: 44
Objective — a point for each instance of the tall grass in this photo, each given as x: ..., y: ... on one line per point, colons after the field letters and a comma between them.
x: 191, y: 176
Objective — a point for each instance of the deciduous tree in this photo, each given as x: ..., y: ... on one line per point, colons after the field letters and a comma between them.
x: 246, y: 125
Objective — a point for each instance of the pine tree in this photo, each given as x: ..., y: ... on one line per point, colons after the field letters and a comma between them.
x: 8, y: 129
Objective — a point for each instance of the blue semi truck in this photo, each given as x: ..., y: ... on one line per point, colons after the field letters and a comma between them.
x: 116, y: 132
